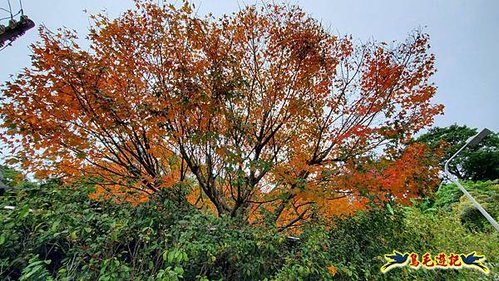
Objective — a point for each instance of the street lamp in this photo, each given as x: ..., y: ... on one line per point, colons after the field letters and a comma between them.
x: 471, y: 142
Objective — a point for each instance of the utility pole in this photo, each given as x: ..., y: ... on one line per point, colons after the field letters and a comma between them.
x: 15, y: 29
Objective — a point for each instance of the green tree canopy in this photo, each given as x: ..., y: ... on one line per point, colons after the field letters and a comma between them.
x: 480, y: 162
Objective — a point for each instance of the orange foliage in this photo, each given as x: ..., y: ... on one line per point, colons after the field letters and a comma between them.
x: 263, y: 99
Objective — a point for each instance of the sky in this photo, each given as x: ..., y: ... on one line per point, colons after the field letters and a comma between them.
x: 464, y: 37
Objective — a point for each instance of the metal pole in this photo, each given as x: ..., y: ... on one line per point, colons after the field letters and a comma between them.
x: 472, y: 141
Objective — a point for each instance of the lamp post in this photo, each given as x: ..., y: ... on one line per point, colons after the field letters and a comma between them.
x: 471, y: 142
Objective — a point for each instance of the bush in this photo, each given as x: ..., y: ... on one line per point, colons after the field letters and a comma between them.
x: 62, y: 234
x: 359, y: 243
x: 57, y: 233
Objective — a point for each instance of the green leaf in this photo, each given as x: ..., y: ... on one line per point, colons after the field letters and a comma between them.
x: 389, y: 208
x: 24, y: 211
x: 73, y: 235
x: 171, y: 256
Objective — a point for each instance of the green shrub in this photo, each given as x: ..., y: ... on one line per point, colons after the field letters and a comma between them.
x: 58, y: 233
x: 359, y: 243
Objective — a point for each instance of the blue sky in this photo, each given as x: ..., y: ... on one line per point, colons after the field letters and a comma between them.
x: 464, y: 37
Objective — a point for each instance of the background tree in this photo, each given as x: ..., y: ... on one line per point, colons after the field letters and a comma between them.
x: 480, y: 162
x: 261, y: 100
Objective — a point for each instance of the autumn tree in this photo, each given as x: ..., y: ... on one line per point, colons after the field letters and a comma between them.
x: 263, y: 107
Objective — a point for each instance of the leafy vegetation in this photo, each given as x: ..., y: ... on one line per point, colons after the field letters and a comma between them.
x: 262, y: 99
x: 186, y: 148
x: 57, y: 233
x: 478, y: 163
